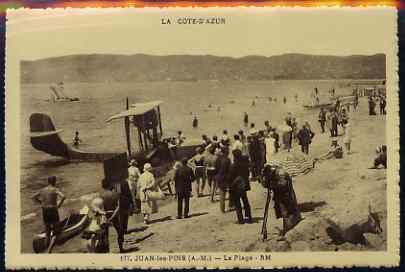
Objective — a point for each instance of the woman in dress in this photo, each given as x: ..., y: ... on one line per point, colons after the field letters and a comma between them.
x: 347, y: 138
x: 146, y: 182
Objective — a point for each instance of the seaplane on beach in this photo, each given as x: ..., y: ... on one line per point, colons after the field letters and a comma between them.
x: 145, y: 117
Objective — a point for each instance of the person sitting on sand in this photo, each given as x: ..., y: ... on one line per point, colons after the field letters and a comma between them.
x: 381, y: 157
x: 335, y: 151
x: 48, y: 198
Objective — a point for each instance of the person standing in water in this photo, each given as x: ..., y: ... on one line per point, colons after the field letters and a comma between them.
x: 48, y: 198
x: 195, y: 122
x: 246, y: 119
x: 76, y: 139
x: 285, y: 100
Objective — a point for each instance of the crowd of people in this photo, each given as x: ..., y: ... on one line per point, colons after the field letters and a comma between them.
x: 222, y: 166
x: 375, y: 99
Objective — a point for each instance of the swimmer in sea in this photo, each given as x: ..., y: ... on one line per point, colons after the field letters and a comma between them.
x: 76, y: 139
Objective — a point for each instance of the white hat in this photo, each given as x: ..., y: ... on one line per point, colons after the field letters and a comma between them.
x: 147, y: 167
x: 97, y: 204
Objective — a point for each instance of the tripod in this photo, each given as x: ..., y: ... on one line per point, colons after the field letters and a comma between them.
x: 266, y: 215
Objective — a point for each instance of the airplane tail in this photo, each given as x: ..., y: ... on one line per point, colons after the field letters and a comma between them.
x: 45, y: 137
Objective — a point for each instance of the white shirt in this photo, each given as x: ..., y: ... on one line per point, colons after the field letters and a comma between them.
x: 237, y: 145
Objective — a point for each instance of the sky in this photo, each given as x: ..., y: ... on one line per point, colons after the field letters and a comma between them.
x: 36, y: 34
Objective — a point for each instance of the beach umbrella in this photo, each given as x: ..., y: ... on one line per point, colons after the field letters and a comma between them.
x: 294, y: 163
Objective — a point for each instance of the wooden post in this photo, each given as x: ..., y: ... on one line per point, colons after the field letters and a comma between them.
x: 160, y: 122
x: 127, y: 130
x: 266, y: 215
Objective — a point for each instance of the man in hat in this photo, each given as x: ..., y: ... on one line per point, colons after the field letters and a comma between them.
x: 146, y: 182
x: 133, y: 176
x: 305, y: 136
x: 48, y: 198
x: 183, y: 179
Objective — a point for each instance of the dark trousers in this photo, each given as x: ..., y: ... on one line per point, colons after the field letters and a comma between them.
x: 305, y: 148
x: 322, y: 126
x: 236, y: 199
x: 334, y: 131
x: 120, y: 223
x: 183, y: 197
x: 382, y: 110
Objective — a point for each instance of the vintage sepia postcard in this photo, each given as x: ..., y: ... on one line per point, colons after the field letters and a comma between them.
x: 202, y: 137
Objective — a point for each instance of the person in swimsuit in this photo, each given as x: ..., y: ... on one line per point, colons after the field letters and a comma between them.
x: 48, y: 198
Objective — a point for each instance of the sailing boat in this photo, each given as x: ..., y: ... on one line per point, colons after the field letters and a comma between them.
x: 58, y: 95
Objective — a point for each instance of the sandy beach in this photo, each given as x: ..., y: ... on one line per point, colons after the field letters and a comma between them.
x: 337, y: 189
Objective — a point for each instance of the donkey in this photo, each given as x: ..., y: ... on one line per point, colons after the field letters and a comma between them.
x: 355, y: 233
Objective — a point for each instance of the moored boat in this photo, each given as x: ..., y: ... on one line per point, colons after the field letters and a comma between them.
x: 65, y: 230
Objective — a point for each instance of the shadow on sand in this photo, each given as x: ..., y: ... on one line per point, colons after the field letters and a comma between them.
x: 136, y: 230
x: 310, y: 206
x: 197, y: 214
x: 163, y: 219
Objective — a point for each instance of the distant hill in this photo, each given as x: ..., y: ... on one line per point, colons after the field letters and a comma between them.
x: 124, y: 68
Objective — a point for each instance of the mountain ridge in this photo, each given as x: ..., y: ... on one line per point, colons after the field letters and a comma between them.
x: 143, y: 67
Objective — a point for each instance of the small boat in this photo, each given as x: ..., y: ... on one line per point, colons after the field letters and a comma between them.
x: 65, y: 230
x: 58, y: 94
